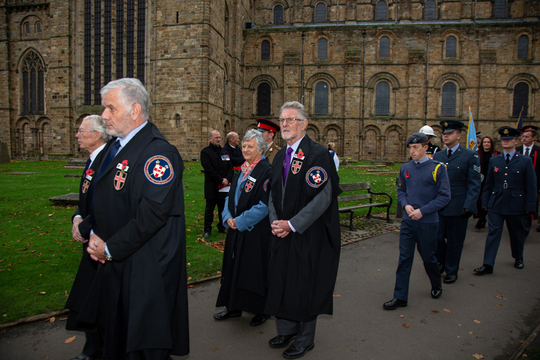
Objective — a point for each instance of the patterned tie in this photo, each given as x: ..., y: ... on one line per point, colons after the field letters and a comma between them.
x: 449, y: 152
x: 287, y: 163
x: 507, y: 158
x: 527, y: 152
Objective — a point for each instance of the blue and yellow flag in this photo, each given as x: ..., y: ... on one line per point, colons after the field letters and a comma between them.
x: 519, y: 124
x: 471, y: 133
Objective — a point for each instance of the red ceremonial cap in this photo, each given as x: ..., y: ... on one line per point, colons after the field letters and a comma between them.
x: 267, y: 125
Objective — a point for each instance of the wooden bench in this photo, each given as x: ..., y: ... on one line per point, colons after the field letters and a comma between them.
x: 365, y: 185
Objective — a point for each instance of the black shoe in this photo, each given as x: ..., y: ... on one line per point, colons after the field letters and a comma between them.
x: 538, y: 229
x: 483, y: 270
x: 225, y: 314
x: 83, y: 357
x: 281, y: 340
x: 518, y: 264
x: 441, y: 269
x: 258, y: 319
x: 207, y: 234
x: 296, y: 352
x: 450, y: 279
x: 394, y: 304
x: 436, y: 292
x: 223, y: 231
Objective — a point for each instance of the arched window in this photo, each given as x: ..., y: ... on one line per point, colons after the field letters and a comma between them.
x: 382, y: 12
x: 382, y: 98
x: 322, y: 52
x: 33, y: 86
x: 523, y: 47
x: 38, y: 27
x: 264, y: 99
x: 449, y: 96
x: 320, y: 12
x: 430, y: 12
x: 265, y: 50
x: 521, y: 99
x: 384, y: 47
x: 27, y: 27
x: 450, y: 47
x: 321, y: 98
x: 499, y: 8
x: 278, y: 14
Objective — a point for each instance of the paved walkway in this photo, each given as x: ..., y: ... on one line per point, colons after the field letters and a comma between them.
x: 486, y: 316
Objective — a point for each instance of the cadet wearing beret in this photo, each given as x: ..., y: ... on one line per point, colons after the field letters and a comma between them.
x: 423, y: 190
x: 509, y: 193
x: 269, y: 130
x: 463, y: 168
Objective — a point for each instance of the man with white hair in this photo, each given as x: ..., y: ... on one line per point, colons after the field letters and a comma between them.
x: 92, y: 137
x: 139, y: 295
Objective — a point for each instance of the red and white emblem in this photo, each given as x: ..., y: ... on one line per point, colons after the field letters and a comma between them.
x: 159, y: 170
x: 85, y: 186
x: 249, y: 186
x: 317, y: 178
x: 119, y: 180
x: 296, y: 166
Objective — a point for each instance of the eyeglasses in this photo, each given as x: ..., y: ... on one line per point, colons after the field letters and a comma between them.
x: 83, y: 131
x: 288, y: 120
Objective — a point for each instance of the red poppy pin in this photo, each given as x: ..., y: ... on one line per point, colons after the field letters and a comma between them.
x: 89, y: 172
x: 407, y: 174
x: 124, y: 164
x: 496, y: 169
x: 300, y: 155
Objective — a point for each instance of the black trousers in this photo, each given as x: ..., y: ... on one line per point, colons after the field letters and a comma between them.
x: 209, y: 214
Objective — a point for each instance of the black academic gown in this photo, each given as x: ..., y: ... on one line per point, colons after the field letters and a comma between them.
x: 303, y: 266
x: 245, y: 257
x: 87, y: 267
x: 141, y: 294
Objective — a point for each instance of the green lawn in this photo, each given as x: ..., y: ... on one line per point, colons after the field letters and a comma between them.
x: 39, y: 258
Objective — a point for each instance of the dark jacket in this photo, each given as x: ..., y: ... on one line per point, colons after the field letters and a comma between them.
x: 303, y: 265
x: 463, y: 169
x: 216, y: 163
x: 535, y: 157
x: 139, y: 213
x: 235, y: 153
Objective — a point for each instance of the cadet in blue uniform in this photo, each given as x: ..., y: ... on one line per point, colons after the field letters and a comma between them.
x: 463, y: 168
x: 423, y: 190
x: 509, y: 193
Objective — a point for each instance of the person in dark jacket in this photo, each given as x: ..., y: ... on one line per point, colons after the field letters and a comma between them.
x: 422, y: 191
x: 463, y: 169
x: 304, y: 251
x: 234, y: 151
x: 245, y: 258
x: 139, y: 294
x: 509, y: 194
x: 92, y: 137
x: 530, y: 149
x: 218, y: 173
x: 486, y: 150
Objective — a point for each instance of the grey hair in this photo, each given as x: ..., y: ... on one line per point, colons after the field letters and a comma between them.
x: 259, y: 139
x: 230, y: 136
x: 99, y: 125
x: 211, y: 133
x: 302, y: 114
x: 132, y: 92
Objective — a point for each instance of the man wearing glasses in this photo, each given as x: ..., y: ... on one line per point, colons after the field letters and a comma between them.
x: 92, y: 137
x: 304, y: 251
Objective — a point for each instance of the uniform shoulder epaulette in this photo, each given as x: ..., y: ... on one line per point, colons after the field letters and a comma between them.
x: 434, y: 173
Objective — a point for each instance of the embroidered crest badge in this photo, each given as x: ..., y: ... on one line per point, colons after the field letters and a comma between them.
x: 158, y: 170
x: 249, y: 186
x: 296, y: 166
x: 85, y: 186
x: 119, y: 180
x: 316, y: 176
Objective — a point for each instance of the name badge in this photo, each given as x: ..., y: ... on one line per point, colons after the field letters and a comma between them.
x: 225, y: 157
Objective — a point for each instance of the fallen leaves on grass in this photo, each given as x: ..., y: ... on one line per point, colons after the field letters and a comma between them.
x: 69, y: 340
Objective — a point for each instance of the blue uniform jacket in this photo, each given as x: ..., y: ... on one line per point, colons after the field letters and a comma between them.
x: 463, y: 169
x: 510, y: 188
